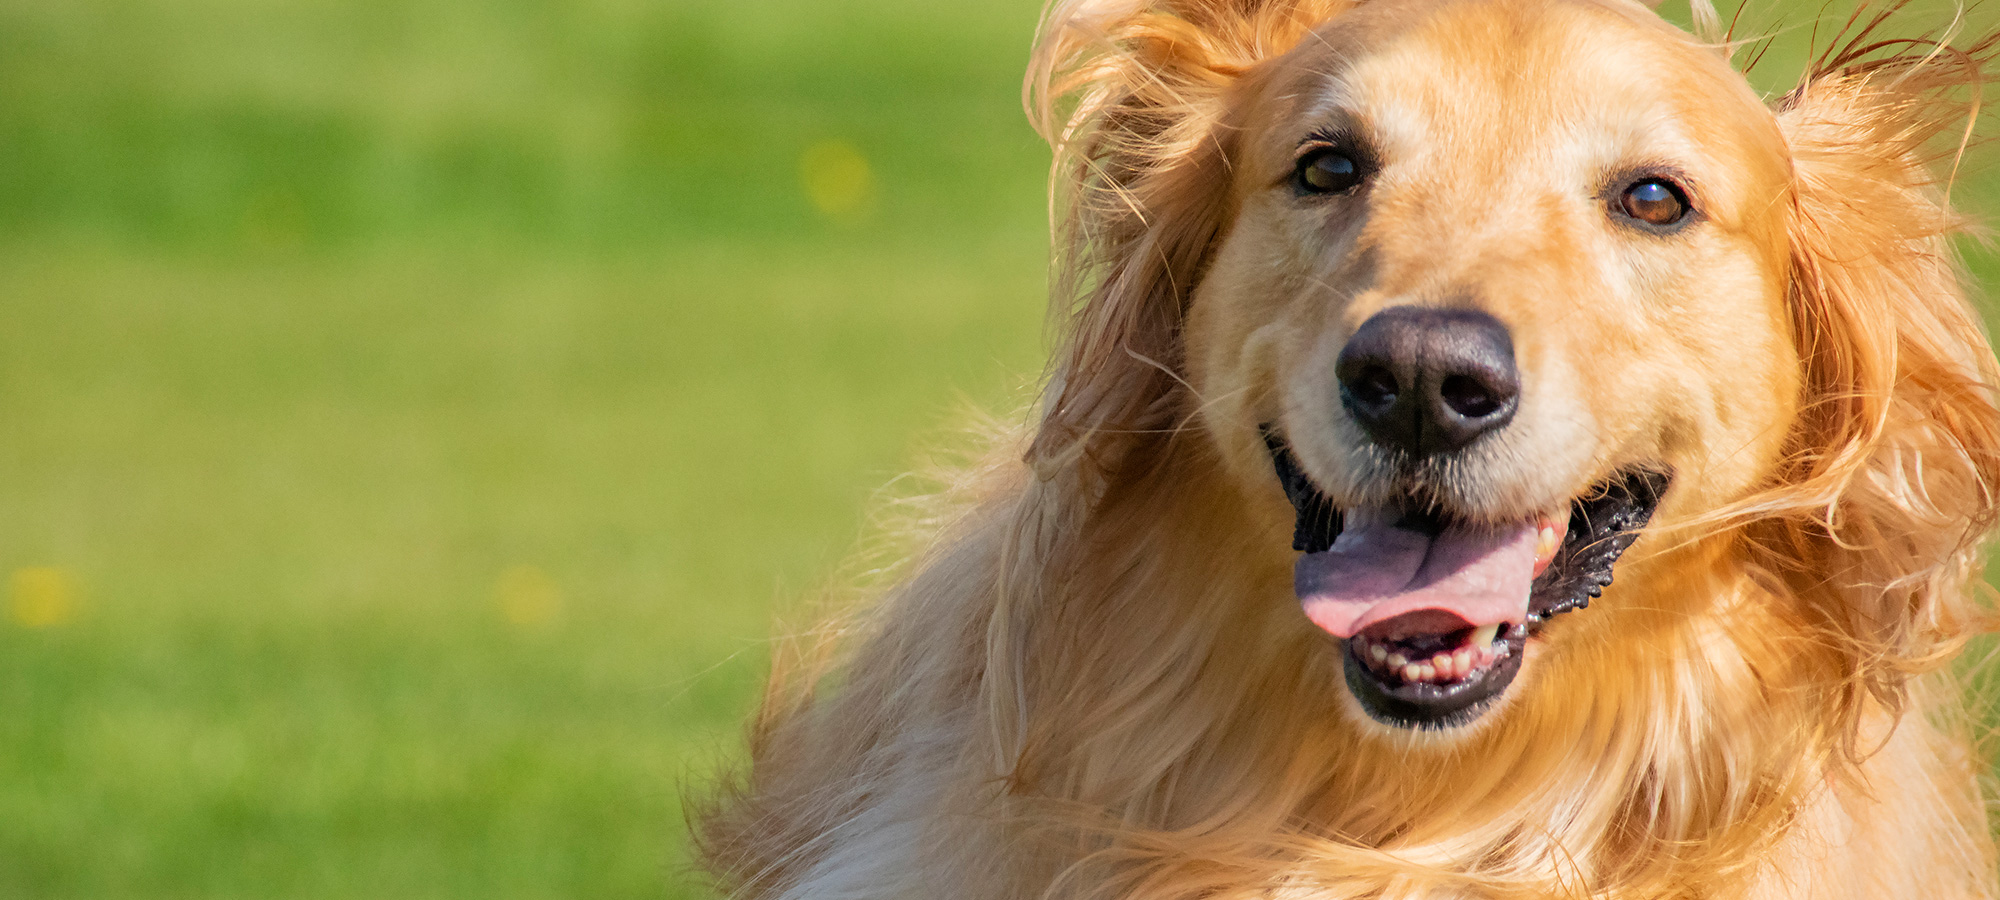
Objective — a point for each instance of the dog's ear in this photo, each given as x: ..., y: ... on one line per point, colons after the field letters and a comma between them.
x: 1134, y: 97
x: 1890, y: 482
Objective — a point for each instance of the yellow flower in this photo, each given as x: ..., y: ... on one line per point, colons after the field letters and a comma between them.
x: 837, y: 180
x: 527, y: 597
x: 41, y: 597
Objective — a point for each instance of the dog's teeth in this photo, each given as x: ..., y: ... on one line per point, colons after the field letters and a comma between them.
x: 1485, y: 634
x: 1428, y: 672
x: 1462, y: 661
x: 1378, y: 653
x: 1396, y: 660
x: 1442, y: 663
x: 1412, y: 672
x: 1547, y: 542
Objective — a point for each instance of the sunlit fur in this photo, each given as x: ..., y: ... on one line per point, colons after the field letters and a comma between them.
x: 1096, y: 680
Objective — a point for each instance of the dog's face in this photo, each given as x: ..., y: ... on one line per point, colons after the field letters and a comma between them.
x: 1500, y: 281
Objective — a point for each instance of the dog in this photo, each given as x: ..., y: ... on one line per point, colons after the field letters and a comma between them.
x: 1492, y: 453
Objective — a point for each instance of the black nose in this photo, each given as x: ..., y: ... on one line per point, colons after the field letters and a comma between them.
x: 1426, y: 380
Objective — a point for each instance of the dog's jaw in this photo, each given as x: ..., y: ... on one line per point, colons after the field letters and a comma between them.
x: 1432, y: 670
x: 1423, y: 704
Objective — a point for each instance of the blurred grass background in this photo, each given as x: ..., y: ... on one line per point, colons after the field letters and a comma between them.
x: 411, y: 411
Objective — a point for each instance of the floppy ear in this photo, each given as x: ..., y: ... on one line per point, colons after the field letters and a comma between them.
x: 1131, y: 94
x: 1889, y: 488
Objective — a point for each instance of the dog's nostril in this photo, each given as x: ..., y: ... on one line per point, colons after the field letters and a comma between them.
x: 1468, y: 397
x: 1375, y: 386
x: 1425, y: 380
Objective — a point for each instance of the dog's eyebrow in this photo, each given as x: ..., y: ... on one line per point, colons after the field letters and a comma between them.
x: 1347, y: 131
x: 1330, y: 100
x: 1346, y: 138
x: 1332, y: 113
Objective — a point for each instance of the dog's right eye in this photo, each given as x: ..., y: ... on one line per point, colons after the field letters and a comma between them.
x: 1654, y: 201
x: 1327, y: 171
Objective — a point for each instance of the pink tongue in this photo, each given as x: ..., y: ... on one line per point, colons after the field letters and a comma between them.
x: 1375, y: 572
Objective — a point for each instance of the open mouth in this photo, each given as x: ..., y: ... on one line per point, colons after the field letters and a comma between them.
x: 1434, y: 613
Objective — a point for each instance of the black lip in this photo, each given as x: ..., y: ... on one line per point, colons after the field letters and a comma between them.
x: 1602, y: 526
x: 1425, y: 706
x: 1318, y: 519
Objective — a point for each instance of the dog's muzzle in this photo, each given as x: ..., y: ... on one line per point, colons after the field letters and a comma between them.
x: 1433, y: 611
x: 1425, y: 646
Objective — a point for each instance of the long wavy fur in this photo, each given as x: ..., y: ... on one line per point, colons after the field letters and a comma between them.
x: 1061, y: 700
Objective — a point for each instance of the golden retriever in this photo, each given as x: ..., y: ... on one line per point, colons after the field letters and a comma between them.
x: 1394, y: 332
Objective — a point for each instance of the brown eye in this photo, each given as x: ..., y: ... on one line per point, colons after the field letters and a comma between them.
x: 1655, y: 201
x: 1327, y: 171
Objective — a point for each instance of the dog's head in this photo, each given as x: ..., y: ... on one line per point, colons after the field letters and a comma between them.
x: 1473, y: 292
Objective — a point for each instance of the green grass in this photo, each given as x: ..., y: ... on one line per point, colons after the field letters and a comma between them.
x: 595, y: 122
x: 332, y: 328
x: 289, y: 490
x: 424, y: 404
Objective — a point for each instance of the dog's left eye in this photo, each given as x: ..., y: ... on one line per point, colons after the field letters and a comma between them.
x: 1654, y: 201
x: 1327, y: 171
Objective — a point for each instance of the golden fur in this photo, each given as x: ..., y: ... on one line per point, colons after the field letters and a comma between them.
x: 1097, y: 681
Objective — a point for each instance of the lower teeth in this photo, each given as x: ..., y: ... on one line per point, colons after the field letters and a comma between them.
x: 1478, y: 653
